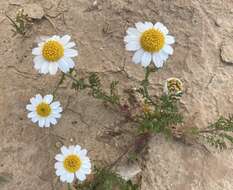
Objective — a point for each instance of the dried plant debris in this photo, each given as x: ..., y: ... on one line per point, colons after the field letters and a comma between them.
x: 21, y: 23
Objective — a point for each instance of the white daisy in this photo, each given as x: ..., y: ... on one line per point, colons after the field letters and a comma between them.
x: 173, y: 86
x: 43, y: 110
x: 151, y: 43
x: 72, y: 162
x: 53, y: 53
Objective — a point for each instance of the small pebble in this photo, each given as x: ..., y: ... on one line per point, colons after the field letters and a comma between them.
x: 226, y: 52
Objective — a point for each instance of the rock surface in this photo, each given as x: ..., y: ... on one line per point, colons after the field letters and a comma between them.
x: 34, y: 11
x: 227, y: 52
x: 174, y: 166
x: 129, y: 171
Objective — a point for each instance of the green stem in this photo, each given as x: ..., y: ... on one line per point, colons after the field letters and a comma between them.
x: 96, y: 92
x: 69, y: 186
x: 145, y: 84
x: 58, y: 84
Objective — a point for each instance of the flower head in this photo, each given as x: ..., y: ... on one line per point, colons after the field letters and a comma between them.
x: 43, y: 110
x: 151, y: 43
x: 173, y: 86
x: 53, y: 53
x: 72, y: 162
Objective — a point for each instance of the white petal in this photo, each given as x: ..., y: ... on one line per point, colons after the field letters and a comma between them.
x: 53, y: 68
x: 60, y: 172
x: 58, y: 165
x: 39, y: 98
x: 57, y: 110
x: 85, y: 170
x: 64, y: 150
x: 169, y: 39
x: 71, y: 52
x: 140, y: 26
x: 77, y: 149
x: 42, y: 122
x: 69, y: 177
x: 30, y: 107
x: 131, y: 38
x: 34, y: 119
x: 133, y: 31
x: 83, y: 152
x: 168, y: 49
x: 163, y: 55
x: 53, y: 121
x: 70, y: 45
x: 31, y: 115
x: 138, y: 56
x: 63, y: 178
x: 65, y: 39
x: 55, y: 105
x: 148, y: 25
x: 39, y: 61
x: 157, y: 60
x: 37, y: 51
x: 63, y: 65
x: 55, y: 37
x: 34, y: 101
x: 59, y: 157
x: 146, y: 59
x: 41, y: 39
x: 80, y: 176
x: 48, y: 98
x: 86, y: 163
x: 69, y: 61
x: 161, y: 27
x: 47, y: 122
x: 57, y: 115
x: 133, y: 46
x: 44, y: 68
x: 72, y: 149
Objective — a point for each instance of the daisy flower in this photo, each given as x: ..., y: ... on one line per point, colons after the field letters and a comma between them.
x: 72, y: 161
x: 173, y: 86
x: 43, y: 110
x: 151, y: 43
x: 53, y: 53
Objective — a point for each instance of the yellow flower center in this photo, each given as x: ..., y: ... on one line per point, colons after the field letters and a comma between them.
x: 52, y: 51
x: 152, y: 40
x: 72, y: 163
x: 43, y: 109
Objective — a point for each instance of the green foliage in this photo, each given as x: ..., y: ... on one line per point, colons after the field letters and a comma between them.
x: 104, y: 179
x: 94, y: 84
x: 164, y: 115
x: 21, y: 23
x: 223, y: 124
x: 219, y: 133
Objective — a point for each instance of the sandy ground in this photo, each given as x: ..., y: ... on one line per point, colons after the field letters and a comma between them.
x: 200, y: 27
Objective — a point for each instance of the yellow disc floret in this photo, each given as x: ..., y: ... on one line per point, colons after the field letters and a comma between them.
x: 152, y: 40
x: 43, y: 109
x: 52, y: 50
x: 72, y: 163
